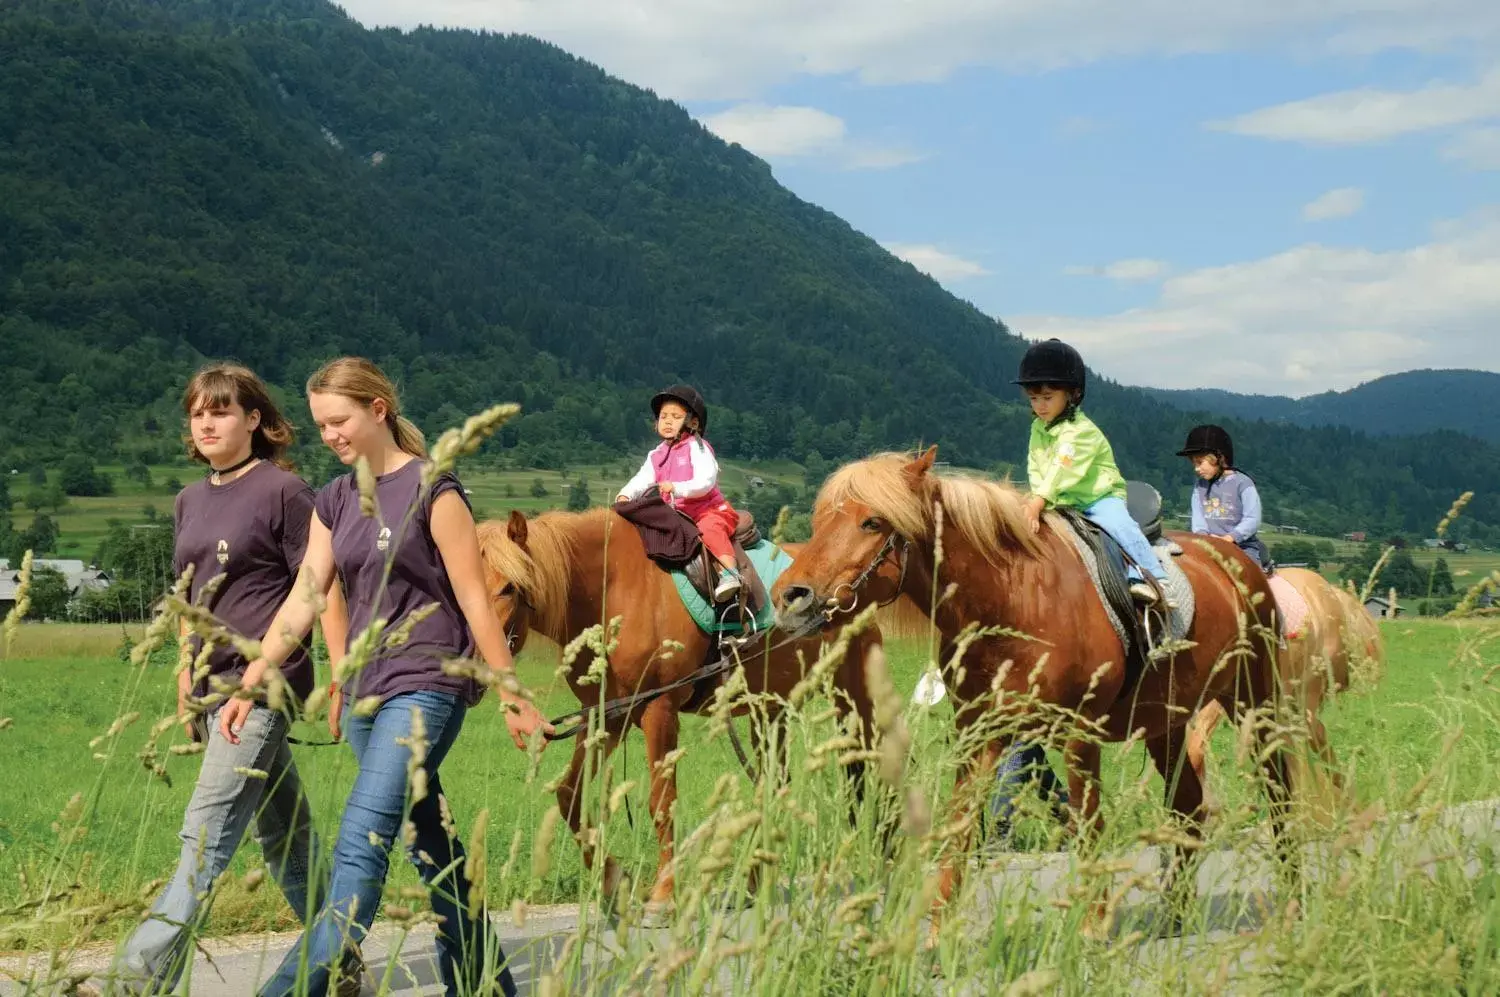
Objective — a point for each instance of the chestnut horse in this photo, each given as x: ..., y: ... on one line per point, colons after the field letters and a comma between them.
x: 564, y: 572
x: 1338, y: 636
x: 875, y: 536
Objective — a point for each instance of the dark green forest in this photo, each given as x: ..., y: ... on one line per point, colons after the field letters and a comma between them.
x: 492, y: 219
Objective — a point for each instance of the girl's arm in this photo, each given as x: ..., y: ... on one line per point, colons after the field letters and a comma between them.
x: 292, y: 622
x: 1071, y: 460
x: 1249, y: 523
x: 335, y: 622
x: 705, y: 473
x: 453, y: 530
x: 639, y: 485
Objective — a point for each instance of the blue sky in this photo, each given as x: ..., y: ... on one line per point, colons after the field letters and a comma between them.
x: 1248, y: 195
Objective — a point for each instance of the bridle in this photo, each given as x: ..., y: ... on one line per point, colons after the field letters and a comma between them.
x: 895, y: 543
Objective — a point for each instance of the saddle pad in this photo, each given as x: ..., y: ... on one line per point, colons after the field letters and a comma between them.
x: 769, y: 561
x: 1179, y: 590
x: 1291, y: 608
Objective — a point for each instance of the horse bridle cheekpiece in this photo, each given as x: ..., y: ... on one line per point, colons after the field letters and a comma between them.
x: 894, y: 541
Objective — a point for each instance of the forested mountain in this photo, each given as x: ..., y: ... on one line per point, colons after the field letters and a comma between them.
x: 491, y: 218
x: 1417, y: 401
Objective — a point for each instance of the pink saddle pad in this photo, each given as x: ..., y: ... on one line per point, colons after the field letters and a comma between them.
x: 1291, y: 608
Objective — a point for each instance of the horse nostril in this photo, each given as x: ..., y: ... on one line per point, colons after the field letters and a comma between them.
x: 796, y: 595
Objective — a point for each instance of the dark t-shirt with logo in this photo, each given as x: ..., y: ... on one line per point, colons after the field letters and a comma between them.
x: 362, y: 546
x: 253, y: 530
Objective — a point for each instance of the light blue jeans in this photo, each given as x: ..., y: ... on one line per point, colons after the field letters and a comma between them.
x: 469, y: 954
x: 1112, y: 516
x: 223, y: 804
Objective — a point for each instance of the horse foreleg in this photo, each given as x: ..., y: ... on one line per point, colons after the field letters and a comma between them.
x: 970, y: 790
x: 1199, y: 733
x: 570, y: 800
x: 855, y: 701
x: 659, y: 723
x: 1184, y: 792
x: 1083, y: 759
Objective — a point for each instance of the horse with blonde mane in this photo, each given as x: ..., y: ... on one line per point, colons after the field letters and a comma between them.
x: 1337, y: 639
x: 565, y: 572
x: 889, y: 526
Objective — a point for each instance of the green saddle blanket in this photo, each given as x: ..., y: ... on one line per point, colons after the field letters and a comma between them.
x: 769, y: 561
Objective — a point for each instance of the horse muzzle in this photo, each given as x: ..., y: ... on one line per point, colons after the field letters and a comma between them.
x: 799, y: 611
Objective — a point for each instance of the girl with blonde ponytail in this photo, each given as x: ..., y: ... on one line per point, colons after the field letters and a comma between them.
x: 413, y: 560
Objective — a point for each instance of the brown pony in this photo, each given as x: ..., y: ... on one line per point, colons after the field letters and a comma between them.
x: 564, y: 572
x: 1338, y: 637
x: 875, y: 537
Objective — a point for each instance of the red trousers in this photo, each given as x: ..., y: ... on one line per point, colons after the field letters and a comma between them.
x: 717, y: 526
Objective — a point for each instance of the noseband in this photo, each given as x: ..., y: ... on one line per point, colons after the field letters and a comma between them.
x: 895, y: 543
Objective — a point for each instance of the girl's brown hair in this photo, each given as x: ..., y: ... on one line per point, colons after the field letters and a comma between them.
x: 360, y: 380
x: 221, y: 384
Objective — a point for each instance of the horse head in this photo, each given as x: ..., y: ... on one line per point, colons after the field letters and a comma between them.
x: 864, y: 522
x: 507, y: 559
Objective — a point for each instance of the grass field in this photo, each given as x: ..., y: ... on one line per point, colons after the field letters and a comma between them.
x: 64, y: 685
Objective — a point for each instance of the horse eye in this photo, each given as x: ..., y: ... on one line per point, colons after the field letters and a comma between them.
x: 507, y: 590
x: 871, y: 525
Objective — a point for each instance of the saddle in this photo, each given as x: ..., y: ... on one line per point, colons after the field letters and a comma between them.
x: 672, y: 540
x: 1145, y: 506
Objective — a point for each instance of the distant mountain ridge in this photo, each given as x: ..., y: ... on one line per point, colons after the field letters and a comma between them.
x: 1405, y: 404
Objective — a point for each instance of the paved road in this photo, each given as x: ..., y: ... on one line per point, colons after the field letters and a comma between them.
x: 1237, y: 891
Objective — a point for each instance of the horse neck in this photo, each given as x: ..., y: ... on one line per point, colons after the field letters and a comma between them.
x: 1007, y: 593
x: 592, y: 538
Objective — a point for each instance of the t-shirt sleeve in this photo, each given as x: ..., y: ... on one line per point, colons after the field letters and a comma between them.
x: 327, y: 501
x: 1200, y: 523
x: 296, y: 520
x: 446, y: 482
x: 179, y: 563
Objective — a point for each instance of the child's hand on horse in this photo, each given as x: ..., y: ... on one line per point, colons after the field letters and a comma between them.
x: 665, y: 488
x: 1034, y: 507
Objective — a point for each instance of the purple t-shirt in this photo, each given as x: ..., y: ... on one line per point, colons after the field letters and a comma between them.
x: 253, y: 530
x: 361, y: 547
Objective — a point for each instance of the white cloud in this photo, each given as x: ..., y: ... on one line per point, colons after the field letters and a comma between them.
x: 1477, y: 148
x: 1353, y: 117
x: 1341, y: 202
x: 1135, y: 269
x: 1308, y: 319
x: 729, y: 49
x: 782, y: 132
x: 935, y: 262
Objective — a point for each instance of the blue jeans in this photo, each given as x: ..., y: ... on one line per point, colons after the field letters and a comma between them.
x: 1112, y: 516
x: 222, y: 807
x: 468, y: 950
x: 1023, y: 763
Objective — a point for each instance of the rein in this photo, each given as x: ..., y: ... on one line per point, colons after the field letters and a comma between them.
x: 572, y: 724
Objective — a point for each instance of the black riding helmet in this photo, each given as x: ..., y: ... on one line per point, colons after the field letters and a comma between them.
x: 687, y: 396
x: 1053, y: 362
x: 1209, y: 439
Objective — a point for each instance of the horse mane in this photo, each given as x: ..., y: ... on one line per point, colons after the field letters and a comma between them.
x: 543, y: 569
x: 988, y: 514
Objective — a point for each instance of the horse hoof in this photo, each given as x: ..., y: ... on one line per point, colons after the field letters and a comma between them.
x: 658, y: 913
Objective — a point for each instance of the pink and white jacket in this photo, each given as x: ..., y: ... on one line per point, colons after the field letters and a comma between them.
x: 693, y: 471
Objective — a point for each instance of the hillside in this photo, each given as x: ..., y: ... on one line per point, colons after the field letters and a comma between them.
x: 1417, y: 401
x: 491, y: 218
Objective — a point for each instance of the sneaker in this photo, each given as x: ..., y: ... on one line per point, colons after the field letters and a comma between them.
x: 729, y: 584
x: 351, y: 976
x: 1144, y: 593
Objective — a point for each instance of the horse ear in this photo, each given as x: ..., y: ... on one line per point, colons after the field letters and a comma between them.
x: 918, y: 468
x: 517, y: 527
